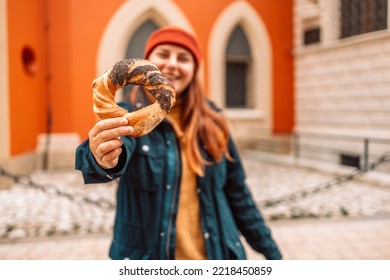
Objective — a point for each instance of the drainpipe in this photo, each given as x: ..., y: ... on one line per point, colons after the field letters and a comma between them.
x: 49, y: 117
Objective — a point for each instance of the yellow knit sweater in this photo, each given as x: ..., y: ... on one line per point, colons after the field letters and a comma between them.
x: 189, y: 235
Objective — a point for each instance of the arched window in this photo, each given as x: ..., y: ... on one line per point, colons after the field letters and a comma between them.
x: 238, y: 69
x: 136, y: 45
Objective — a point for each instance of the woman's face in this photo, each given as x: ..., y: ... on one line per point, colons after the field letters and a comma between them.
x: 175, y: 63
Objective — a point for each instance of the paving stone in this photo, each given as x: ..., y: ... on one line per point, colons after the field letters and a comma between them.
x: 30, y: 212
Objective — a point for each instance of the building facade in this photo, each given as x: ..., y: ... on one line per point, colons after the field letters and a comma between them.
x: 316, y: 69
x: 342, y: 80
x: 52, y: 50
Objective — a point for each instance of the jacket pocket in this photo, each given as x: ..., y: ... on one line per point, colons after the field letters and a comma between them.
x: 131, y: 241
x: 146, y: 167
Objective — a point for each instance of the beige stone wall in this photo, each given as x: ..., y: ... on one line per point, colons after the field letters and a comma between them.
x: 57, y: 150
x: 342, y: 86
x: 4, y: 107
x: 4, y: 116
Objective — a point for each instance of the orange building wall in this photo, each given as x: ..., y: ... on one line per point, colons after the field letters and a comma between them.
x: 89, y: 22
x: 74, y: 35
x: 278, y: 18
x: 27, y: 93
x: 77, y: 27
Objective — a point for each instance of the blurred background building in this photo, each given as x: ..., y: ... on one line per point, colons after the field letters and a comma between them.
x: 342, y: 80
x: 305, y: 78
x: 54, y: 49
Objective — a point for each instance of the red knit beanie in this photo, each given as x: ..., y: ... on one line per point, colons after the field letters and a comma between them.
x: 176, y: 36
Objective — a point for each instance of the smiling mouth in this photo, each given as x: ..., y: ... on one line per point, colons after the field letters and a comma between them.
x: 170, y: 75
x: 171, y: 78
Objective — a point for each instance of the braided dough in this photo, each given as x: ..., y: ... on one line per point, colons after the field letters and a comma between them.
x: 137, y: 72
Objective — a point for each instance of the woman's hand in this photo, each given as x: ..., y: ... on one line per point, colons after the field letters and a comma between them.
x: 105, y: 142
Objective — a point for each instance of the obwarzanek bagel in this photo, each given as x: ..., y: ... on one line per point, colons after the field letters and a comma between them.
x: 136, y: 71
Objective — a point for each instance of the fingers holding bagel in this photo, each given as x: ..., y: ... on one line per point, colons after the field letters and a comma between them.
x: 111, y: 128
x: 105, y: 142
x: 107, y: 154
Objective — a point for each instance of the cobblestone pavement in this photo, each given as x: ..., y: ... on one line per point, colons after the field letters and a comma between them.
x: 329, y: 239
x: 346, y: 221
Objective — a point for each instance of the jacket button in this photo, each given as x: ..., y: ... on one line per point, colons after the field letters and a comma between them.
x: 138, y: 105
x: 162, y: 234
x: 168, y: 187
x: 206, y: 235
x: 145, y: 148
x: 238, y: 244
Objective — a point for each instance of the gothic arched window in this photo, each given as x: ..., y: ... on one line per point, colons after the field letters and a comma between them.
x: 136, y: 45
x: 238, y: 68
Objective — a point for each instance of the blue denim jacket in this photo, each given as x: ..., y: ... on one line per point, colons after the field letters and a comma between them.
x: 149, y: 169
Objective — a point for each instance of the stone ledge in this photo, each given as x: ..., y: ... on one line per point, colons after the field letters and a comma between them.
x: 61, y: 150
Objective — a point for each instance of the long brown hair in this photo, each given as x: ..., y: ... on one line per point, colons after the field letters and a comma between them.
x: 203, y: 126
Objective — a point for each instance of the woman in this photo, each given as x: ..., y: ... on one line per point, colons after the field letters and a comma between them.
x: 181, y: 192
